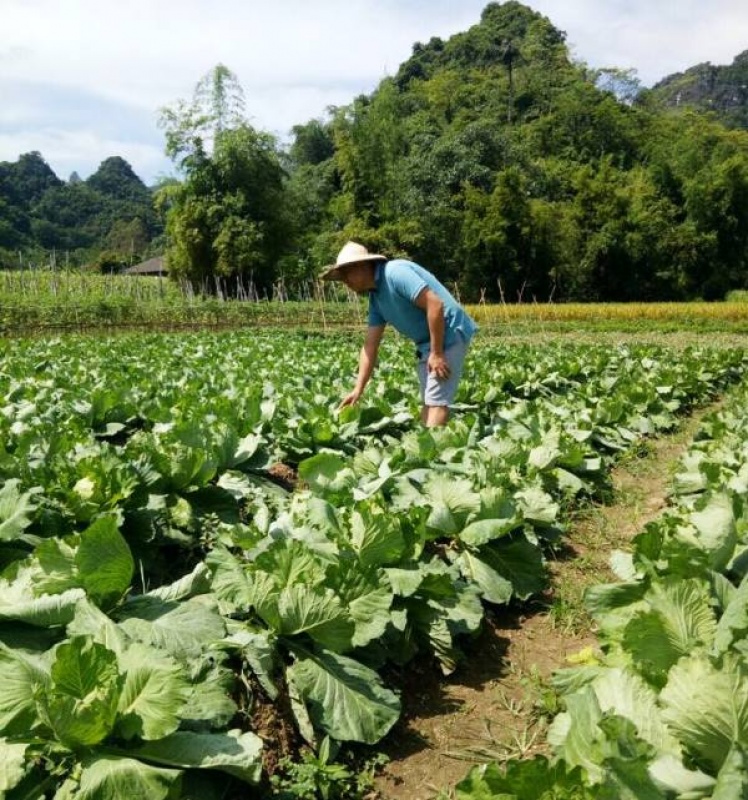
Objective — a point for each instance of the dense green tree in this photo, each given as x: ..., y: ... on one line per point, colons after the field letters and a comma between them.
x: 39, y: 211
x: 312, y: 144
x: 717, y: 202
x: 701, y: 168
x: 25, y: 181
x: 369, y: 142
x: 128, y: 238
x: 227, y: 218
x: 308, y: 194
x: 217, y: 104
x: 14, y: 225
x: 499, y: 237
x: 109, y: 261
x: 22, y: 184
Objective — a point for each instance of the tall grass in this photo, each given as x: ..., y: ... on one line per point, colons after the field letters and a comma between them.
x: 61, y: 300
x: 55, y: 300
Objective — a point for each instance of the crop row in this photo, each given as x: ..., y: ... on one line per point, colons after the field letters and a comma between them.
x: 662, y: 711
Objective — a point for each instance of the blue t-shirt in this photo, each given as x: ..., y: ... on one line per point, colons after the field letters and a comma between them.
x: 398, y: 284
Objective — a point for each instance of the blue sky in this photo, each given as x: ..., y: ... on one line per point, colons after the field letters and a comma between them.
x: 81, y: 80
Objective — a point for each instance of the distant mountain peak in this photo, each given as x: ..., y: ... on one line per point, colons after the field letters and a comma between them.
x: 709, y: 87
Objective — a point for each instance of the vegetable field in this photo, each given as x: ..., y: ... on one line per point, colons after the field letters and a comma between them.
x: 191, y: 534
x: 660, y: 711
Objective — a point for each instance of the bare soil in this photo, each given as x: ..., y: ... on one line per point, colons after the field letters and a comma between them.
x: 283, y: 475
x: 490, y: 709
x: 273, y: 722
x: 498, y: 703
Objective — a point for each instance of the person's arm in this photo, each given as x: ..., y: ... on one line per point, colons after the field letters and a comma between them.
x: 431, y: 304
x: 367, y: 360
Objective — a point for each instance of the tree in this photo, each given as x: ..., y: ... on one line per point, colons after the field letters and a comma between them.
x: 128, y: 238
x: 32, y: 176
x: 228, y: 218
x: 108, y: 261
x: 510, y: 53
x: 220, y: 94
x: 702, y: 168
x: 313, y: 143
x: 217, y: 104
x: 717, y: 202
x: 497, y: 239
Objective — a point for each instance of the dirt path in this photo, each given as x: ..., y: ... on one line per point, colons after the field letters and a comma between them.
x: 498, y: 704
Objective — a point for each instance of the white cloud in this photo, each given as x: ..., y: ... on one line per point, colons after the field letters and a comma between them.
x: 293, y: 57
x: 82, y: 151
x: 655, y: 37
x: 147, y: 54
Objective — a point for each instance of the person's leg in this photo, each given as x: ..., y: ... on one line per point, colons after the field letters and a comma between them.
x: 423, y: 377
x: 437, y: 395
x: 432, y: 416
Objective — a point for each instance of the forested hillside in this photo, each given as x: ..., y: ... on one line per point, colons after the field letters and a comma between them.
x: 497, y: 161
x: 722, y: 90
x: 492, y: 158
x: 109, y: 218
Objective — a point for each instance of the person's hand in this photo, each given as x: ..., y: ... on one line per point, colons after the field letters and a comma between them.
x: 350, y: 399
x: 438, y: 365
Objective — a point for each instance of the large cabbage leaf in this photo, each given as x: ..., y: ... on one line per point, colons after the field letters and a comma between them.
x: 234, y: 752
x: 80, y: 702
x: 345, y: 698
x: 16, y: 511
x: 680, y: 618
x: 154, y: 691
x: 120, y: 778
x: 706, y: 707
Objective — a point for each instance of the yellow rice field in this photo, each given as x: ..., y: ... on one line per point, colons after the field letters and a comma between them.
x: 676, y: 313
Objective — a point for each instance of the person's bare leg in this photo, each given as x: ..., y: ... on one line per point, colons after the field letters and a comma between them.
x: 431, y: 416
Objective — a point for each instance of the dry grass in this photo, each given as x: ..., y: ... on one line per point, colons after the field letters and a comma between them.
x: 677, y: 313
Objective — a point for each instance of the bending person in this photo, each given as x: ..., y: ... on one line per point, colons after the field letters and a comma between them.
x: 413, y: 301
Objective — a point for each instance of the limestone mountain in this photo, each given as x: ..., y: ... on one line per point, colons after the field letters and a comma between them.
x: 709, y: 87
x: 39, y: 213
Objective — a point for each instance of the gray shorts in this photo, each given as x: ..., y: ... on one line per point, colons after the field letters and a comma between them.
x: 436, y: 392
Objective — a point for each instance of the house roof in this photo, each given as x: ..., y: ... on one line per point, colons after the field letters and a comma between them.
x: 153, y: 266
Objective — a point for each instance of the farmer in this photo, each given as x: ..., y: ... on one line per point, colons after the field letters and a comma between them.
x: 416, y: 304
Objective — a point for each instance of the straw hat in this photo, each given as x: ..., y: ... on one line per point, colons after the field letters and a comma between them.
x: 352, y: 253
